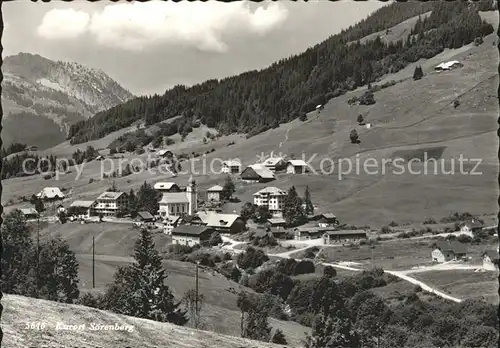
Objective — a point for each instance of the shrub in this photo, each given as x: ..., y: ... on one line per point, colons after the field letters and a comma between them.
x: 303, y: 116
x: 385, y: 230
x: 478, y: 41
x: 393, y: 224
x: 456, y: 103
x: 463, y: 238
x: 367, y: 98
x: 430, y: 221
x: 304, y: 267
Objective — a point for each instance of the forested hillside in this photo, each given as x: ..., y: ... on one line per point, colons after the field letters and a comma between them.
x: 258, y: 100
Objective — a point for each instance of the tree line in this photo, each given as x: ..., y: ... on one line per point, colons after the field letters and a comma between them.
x: 252, y: 101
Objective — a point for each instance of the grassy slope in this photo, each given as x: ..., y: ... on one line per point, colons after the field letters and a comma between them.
x: 114, y: 244
x: 145, y: 333
x: 409, y: 115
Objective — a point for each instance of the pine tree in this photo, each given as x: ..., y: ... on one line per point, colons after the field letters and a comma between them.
x: 256, y: 324
x: 147, y: 198
x: 292, y: 208
x: 228, y: 188
x: 279, y: 338
x: 418, y: 73
x: 309, y: 208
x: 132, y: 203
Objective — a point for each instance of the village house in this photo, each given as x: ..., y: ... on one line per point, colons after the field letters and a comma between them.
x: 111, y: 203
x: 309, y: 232
x: 167, y: 187
x: 214, y: 193
x: 471, y: 228
x: 170, y: 223
x: 490, y: 260
x: 50, y: 194
x: 333, y: 237
x: 85, y: 208
x: 275, y: 164
x: 325, y: 220
x: 257, y: 173
x: 145, y: 216
x: 297, y: 167
x: 231, y: 167
x: 276, y: 222
x: 222, y: 223
x: 30, y: 213
x: 448, y: 251
x: 191, y: 235
x: 165, y: 153
x: 179, y: 203
x: 277, y: 232
x: 271, y: 197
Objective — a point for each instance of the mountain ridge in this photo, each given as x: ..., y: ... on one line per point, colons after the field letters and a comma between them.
x: 45, y: 97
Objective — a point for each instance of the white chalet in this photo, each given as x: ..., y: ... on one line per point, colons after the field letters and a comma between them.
x: 50, y: 193
x: 110, y: 203
x: 297, y: 167
x: 231, y: 167
x: 271, y: 197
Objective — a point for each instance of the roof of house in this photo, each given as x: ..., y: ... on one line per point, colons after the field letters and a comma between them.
x: 83, y: 204
x: 214, y: 219
x: 164, y: 185
x: 262, y: 171
x: 145, y: 215
x: 454, y: 246
x: 172, y: 219
x: 492, y: 254
x: 232, y: 163
x: 29, y: 211
x: 272, y: 191
x: 163, y: 152
x: 276, y: 230
x: 346, y: 232
x: 193, y: 230
x: 50, y: 192
x: 110, y: 195
x: 313, y: 229
x: 272, y: 161
x: 216, y: 188
x: 174, y: 197
x: 298, y: 163
x: 274, y: 221
x: 447, y: 65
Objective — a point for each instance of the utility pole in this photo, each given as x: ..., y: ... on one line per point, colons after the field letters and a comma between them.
x: 93, y: 263
x: 196, y: 299
x: 38, y: 256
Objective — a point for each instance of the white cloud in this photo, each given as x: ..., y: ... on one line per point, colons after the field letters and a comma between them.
x: 63, y: 24
x: 137, y: 26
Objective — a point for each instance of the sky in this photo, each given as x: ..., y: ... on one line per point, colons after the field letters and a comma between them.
x: 152, y: 46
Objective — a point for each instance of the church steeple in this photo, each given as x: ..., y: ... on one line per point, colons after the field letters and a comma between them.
x: 192, y: 196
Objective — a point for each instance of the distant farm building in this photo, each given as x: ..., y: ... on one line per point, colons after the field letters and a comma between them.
x: 167, y: 187
x: 82, y: 208
x: 276, y: 222
x: 29, y: 213
x: 257, y: 173
x: 275, y: 164
x: 231, y: 167
x: 214, y: 193
x: 297, y: 167
x: 165, y: 153
x: 319, y: 107
x: 271, y: 197
x: 191, y: 235
x: 145, y: 216
x: 111, y: 203
x: 99, y: 158
x: 490, y: 260
x: 309, y: 232
x: 50, y: 193
x: 325, y: 220
x: 332, y: 237
x: 448, y: 65
x: 471, y: 227
x: 170, y: 223
x: 448, y: 251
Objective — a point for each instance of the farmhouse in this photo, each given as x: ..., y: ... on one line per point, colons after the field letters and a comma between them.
x: 332, y: 237
x: 167, y: 187
x: 297, y: 167
x: 99, y: 158
x: 447, y: 251
x: 257, y: 173
x: 471, y: 227
x: 490, y: 260
x: 50, y: 193
x: 29, y: 213
x: 145, y: 216
x: 448, y: 65
x: 222, y: 223
x: 214, y: 193
x: 277, y: 232
x: 231, y: 167
x: 325, y: 220
x: 276, y: 222
x: 82, y: 208
x: 178, y: 203
x: 271, y: 197
x: 275, y: 164
x: 309, y: 232
x: 111, y: 203
x: 191, y: 235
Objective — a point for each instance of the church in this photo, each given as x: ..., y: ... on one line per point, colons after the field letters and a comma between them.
x: 174, y: 204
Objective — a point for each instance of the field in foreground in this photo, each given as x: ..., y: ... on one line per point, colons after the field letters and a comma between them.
x: 145, y: 333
